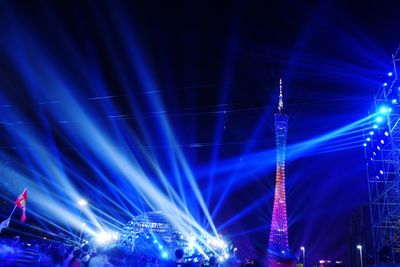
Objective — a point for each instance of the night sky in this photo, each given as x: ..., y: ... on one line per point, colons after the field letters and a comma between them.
x: 211, y: 70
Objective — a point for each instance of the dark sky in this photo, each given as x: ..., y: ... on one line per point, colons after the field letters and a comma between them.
x: 215, y: 66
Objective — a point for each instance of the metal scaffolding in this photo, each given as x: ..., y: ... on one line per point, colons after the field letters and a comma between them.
x: 382, y: 151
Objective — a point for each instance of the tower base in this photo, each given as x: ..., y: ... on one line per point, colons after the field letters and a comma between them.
x: 273, y: 260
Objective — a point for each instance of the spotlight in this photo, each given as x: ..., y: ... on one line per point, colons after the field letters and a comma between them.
x: 82, y: 202
x: 382, y: 142
x: 371, y: 133
x: 384, y: 110
x: 374, y: 153
x: 368, y: 139
x: 386, y: 133
x: 375, y: 126
x: 384, y: 84
x: 103, y: 237
x: 381, y: 172
x: 378, y: 147
x: 379, y: 119
x: 390, y: 74
x: 394, y: 101
x: 164, y: 254
x: 365, y: 144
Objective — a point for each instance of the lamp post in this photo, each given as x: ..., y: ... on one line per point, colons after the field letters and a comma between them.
x: 359, y: 247
x: 303, y: 249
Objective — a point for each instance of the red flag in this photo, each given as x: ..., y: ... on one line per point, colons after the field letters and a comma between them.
x: 21, y: 203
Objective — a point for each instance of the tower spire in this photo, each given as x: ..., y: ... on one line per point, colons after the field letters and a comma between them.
x: 280, y: 104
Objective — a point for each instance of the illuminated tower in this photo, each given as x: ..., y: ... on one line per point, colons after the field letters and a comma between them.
x: 278, y: 246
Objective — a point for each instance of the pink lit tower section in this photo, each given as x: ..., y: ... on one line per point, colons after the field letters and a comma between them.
x: 278, y: 245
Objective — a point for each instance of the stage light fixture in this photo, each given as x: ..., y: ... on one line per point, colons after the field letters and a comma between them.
x: 82, y: 202
x: 365, y: 144
x: 384, y: 110
x: 385, y: 84
x: 103, y: 237
x: 390, y: 74
x: 371, y: 133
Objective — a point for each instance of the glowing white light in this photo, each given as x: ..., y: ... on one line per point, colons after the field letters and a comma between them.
x: 371, y: 133
x: 226, y: 255
x: 359, y: 247
x: 382, y: 142
x: 221, y: 258
x: 82, y: 202
x: 390, y: 74
x: 375, y: 126
x: 368, y: 139
x: 381, y: 172
x: 378, y: 147
x: 383, y: 110
x: 394, y: 101
x: 365, y: 144
x: 386, y: 134
x: 385, y: 84
x: 115, y: 236
x: 379, y: 119
x: 164, y: 254
x: 103, y: 237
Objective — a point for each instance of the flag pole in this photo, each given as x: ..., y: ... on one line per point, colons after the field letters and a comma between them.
x: 12, y: 212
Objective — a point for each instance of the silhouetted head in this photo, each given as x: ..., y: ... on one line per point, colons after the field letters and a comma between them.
x: 179, y: 253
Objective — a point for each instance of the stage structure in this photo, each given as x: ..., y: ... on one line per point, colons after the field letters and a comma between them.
x: 382, y: 151
x: 278, y: 245
x: 152, y: 235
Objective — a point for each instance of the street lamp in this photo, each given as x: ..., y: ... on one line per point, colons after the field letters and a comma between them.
x: 303, y: 249
x: 359, y: 247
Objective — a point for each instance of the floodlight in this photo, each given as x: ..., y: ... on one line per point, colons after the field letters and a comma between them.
x: 82, y: 202
x: 103, y: 237
x: 384, y: 110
